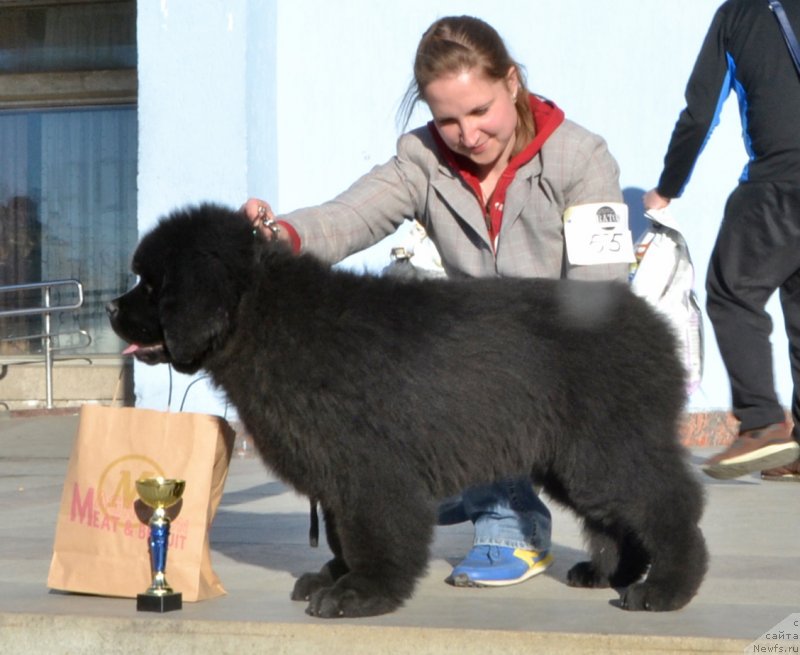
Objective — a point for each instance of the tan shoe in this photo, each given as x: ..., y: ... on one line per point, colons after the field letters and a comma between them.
x: 788, y: 473
x: 755, y: 450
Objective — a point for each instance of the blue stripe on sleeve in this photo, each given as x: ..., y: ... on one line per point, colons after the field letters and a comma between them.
x: 724, y: 92
x: 744, y: 104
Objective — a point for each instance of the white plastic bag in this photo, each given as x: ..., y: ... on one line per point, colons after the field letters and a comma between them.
x: 417, y: 257
x: 664, y: 275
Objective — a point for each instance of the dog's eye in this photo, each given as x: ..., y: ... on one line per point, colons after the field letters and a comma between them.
x: 148, y: 288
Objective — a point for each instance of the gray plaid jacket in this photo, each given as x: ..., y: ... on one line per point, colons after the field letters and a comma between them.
x: 572, y: 168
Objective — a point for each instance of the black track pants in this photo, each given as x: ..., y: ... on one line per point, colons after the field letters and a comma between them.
x: 757, y: 251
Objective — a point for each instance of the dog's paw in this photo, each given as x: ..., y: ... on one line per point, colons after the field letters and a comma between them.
x: 649, y: 597
x: 309, y: 583
x: 584, y: 574
x: 350, y: 597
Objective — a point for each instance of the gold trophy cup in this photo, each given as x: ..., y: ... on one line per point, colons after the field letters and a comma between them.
x: 159, y: 494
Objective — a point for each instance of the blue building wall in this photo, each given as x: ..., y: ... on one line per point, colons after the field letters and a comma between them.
x: 291, y: 100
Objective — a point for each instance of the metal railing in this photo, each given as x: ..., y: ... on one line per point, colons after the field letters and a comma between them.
x: 46, y: 310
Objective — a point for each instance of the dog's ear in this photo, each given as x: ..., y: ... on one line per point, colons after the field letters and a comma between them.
x: 196, y: 309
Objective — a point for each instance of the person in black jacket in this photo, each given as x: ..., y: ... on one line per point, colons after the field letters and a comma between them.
x: 758, y: 246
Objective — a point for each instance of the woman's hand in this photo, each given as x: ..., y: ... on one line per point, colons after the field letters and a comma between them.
x: 260, y: 214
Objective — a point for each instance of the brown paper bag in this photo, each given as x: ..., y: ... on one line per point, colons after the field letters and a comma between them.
x: 101, y: 545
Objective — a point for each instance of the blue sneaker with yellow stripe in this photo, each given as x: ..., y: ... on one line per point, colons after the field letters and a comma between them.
x: 498, y: 566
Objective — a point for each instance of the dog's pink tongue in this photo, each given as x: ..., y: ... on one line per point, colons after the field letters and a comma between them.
x: 131, y: 349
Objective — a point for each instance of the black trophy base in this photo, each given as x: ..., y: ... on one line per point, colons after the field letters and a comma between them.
x: 162, y: 603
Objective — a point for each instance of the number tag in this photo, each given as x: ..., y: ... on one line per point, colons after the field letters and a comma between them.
x: 598, y: 233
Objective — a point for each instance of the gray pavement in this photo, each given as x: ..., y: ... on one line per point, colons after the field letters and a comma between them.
x: 259, y: 546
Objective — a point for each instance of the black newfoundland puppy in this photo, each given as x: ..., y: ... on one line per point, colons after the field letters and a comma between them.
x: 380, y: 397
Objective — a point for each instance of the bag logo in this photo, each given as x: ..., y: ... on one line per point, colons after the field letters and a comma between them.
x: 111, y: 504
x: 117, y: 485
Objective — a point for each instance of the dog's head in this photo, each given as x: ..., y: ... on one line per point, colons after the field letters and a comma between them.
x: 193, y: 268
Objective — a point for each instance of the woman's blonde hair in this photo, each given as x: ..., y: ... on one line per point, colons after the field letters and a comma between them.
x: 454, y: 44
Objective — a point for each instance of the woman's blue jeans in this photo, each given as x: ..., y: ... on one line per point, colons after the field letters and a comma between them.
x: 505, y: 513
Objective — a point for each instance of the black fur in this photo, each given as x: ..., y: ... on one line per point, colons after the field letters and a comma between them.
x: 379, y: 397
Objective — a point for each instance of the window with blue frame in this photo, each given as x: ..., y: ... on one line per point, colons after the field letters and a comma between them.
x: 68, y: 158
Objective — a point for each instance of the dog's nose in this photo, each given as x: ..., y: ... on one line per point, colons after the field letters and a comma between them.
x: 112, y: 309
